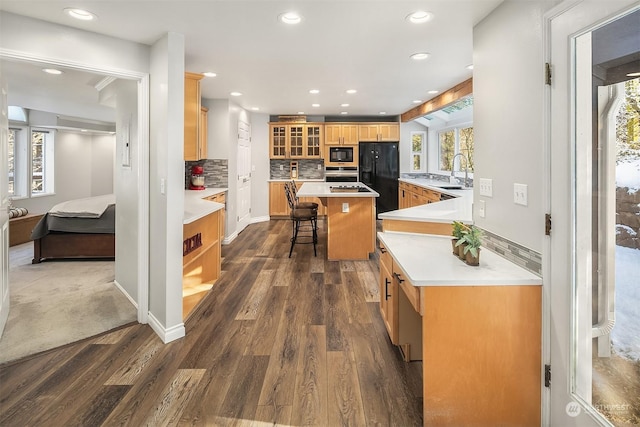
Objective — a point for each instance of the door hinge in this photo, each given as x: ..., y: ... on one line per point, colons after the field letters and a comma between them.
x: 547, y: 73
x: 547, y: 375
x: 547, y: 224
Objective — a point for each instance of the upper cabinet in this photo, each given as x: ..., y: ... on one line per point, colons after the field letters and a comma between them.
x: 295, y: 140
x: 379, y: 132
x: 195, y: 138
x: 341, y: 134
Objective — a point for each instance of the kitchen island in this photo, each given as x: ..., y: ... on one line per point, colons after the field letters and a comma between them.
x: 351, y: 217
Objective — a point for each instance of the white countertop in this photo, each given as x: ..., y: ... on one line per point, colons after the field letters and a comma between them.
x: 195, y: 207
x: 427, y: 261
x: 323, y: 189
x: 458, y: 209
x: 297, y: 179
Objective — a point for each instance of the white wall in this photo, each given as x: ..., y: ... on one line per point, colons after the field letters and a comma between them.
x: 166, y: 163
x: 260, y: 164
x: 75, y: 177
x: 508, y: 88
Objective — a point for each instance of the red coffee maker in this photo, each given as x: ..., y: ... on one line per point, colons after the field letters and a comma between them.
x: 197, y: 178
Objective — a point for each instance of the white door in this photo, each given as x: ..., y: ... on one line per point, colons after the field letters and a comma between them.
x: 4, y: 205
x: 244, y: 175
x: 570, y: 187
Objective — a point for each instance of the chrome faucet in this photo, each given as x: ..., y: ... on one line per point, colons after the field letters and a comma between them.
x: 466, y: 169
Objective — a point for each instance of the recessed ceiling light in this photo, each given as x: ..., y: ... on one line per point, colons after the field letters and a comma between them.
x: 419, y: 56
x: 433, y: 92
x: 290, y: 18
x: 83, y: 15
x: 636, y: 74
x: 315, y: 105
x: 314, y: 91
x: 382, y: 113
x: 344, y: 105
x: 469, y: 67
x: 419, y: 17
x: 209, y: 74
x: 255, y: 108
x: 417, y: 101
x: 83, y: 130
x: 52, y: 71
x: 236, y: 94
x: 351, y: 91
x: 344, y: 112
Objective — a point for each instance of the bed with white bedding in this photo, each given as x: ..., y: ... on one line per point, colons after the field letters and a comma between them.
x: 76, y: 229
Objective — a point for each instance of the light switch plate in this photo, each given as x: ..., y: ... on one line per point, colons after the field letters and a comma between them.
x: 520, y: 196
x: 481, y: 208
x: 486, y: 187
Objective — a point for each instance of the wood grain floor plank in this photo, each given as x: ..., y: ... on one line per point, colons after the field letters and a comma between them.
x: 242, y: 397
x: 256, y: 296
x: 272, y: 415
x: 175, y: 397
x: 369, y: 282
x: 132, y: 368
x: 100, y: 406
x: 344, y: 399
x: 113, y: 337
x: 358, y: 311
x: 337, y: 318
x: 267, y: 322
x: 332, y: 274
x: 311, y: 389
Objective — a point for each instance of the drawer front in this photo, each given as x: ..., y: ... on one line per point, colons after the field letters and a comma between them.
x: 412, y: 292
x: 385, y: 258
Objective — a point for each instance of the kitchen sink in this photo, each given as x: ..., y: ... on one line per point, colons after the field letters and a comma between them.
x: 450, y: 187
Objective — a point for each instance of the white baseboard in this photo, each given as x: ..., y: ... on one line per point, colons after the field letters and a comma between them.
x: 260, y: 219
x: 166, y: 335
x: 227, y: 240
x: 126, y: 294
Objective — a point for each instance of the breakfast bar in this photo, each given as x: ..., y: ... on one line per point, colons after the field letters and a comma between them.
x: 351, y: 217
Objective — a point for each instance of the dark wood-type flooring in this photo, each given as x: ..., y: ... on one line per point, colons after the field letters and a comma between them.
x: 277, y: 341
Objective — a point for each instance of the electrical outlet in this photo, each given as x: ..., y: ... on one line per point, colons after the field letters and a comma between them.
x: 486, y: 187
x: 520, y: 194
x: 319, y: 167
x: 481, y: 208
x: 281, y: 167
x: 345, y: 207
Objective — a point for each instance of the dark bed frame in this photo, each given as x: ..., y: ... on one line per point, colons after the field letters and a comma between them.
x: 74, y: 245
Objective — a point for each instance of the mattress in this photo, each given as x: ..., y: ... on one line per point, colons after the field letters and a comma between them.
x: 104, y: 224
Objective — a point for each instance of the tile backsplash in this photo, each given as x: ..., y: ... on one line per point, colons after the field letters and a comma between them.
x: 436, y: 177
x: 518, y: 254
x: 307, y: 169
x: 216, y: 172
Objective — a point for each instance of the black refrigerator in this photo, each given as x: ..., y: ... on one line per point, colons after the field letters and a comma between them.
x: 379, y: 168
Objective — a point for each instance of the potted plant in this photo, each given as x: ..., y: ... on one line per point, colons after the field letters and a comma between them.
x: 471, y: 241
x: 456, y: 232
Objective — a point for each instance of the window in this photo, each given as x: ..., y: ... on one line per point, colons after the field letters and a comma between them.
x: 30, y: 156
x: 452, y: 142
x: 418, y: 144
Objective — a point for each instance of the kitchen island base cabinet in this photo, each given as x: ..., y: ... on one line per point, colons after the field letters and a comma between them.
x: 201, y: 259
x: 482, y: 355
x: 351, y: 223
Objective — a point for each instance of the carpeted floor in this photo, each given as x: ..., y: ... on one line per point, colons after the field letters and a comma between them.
x: 58, y: 302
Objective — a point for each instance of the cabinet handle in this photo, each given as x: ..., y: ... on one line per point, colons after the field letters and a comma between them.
x: 383, y: 250
x: 386, y: 289
x: 400, y: 280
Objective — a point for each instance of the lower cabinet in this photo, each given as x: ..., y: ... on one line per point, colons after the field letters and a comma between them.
x: 388, y: 295
x: 278, y: 204
x: 221, y: 198
x: 201, y: 259
x: 410, y: 195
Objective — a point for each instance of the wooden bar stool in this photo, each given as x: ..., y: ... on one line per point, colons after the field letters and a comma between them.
x: 300, y: 215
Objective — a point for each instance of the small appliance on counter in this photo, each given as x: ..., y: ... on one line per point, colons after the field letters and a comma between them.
x: 197, y: 178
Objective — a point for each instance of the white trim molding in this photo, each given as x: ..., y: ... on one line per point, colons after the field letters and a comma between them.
x: 166, y: 335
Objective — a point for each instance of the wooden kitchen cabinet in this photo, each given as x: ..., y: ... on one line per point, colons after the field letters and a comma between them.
x: 388, y: 295
x: 278, y: 204
x: 410, y: 195
x: 221, y: 198
x: 374, y: 132
x: 295, y: 140
x: 341, y: 134
x: 194, y: 135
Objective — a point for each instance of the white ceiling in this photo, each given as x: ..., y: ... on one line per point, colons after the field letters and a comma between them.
x: 348, y: 44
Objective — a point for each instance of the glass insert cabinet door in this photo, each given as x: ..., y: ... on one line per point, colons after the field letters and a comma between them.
x: 595, y: 242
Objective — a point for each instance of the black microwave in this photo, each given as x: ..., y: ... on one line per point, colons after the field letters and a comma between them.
x: 341, y: 154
